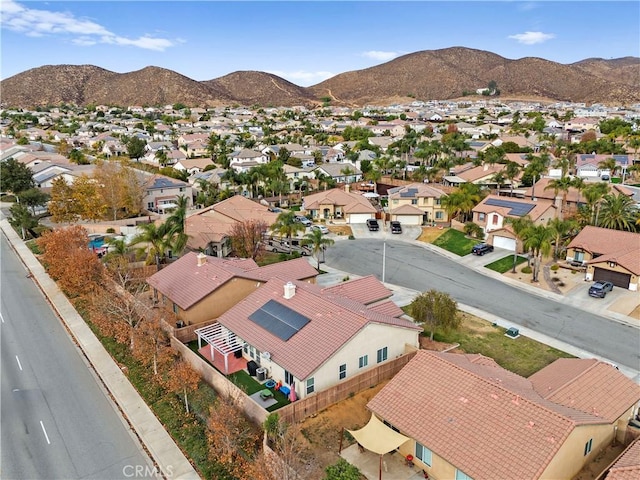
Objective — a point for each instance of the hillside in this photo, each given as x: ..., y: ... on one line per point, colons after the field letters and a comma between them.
x: 426, y: 75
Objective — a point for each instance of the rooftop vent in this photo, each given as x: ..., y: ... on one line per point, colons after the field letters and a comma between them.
x: 202, y: 259
x: 289, y: 290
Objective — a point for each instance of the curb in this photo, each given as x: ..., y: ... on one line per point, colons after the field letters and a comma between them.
x: 151, y: 433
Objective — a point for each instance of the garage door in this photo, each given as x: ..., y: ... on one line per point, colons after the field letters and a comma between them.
x: 504, y: 242
x: 619, y: 279
x: 359, y: 217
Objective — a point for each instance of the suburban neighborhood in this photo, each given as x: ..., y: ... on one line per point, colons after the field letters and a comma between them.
x: 206, y: 249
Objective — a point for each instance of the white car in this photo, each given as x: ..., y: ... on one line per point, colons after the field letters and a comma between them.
x: 322, y: 228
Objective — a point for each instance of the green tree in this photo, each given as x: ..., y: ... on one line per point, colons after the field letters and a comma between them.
x: 618, y: 212
x: 511, y: 171
x: 434, y: 309
x: 462, y: 200
x: 32, y: 198
x: 318, y: 243
x: 561, y: 230
x: 76, y: 156
x: 135, y: 147
x: 15, y: 177
x: 519, y: 226
x: 562, y: 184
x: 287, y: 226
x: 593, y: 194
x: 537, y: 240
x: 342, y: 470
x: 22, y: 219
x: 156, y: 240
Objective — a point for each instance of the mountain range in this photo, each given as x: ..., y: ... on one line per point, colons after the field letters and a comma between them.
x: 426, y: 75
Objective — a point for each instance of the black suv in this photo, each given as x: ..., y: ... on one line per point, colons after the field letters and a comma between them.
x: 395, y: 227
x: 600, y: 289
x: 481, y: 249
x: 372, y: 225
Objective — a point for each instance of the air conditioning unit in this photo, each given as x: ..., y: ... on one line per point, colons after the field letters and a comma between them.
x: 265, y: 355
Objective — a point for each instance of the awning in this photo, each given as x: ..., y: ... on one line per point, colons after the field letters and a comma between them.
x: 376, y: 437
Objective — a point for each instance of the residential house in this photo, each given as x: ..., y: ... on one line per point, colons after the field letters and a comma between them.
x: 192, y: 165
x: 306, y: 337
x: 588, y: 164
x: 247, y: 158
x: 340, y: 172
x: 493, y: 212
x: 161, y: 193
x: 483, y: 175
x: 465, y: 417
x: 417, y: 204
x: 209, y: 229
x: 627, y: 465
x: 611, y: 255
x: 582, y: 124
x: 198, y: 288
x: 339, y: 203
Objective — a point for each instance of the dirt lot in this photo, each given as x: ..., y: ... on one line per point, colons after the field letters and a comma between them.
x: 429, y: 234
x: 340, y: 229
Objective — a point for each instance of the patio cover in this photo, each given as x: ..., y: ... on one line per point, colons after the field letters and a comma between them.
x: 376, y: 437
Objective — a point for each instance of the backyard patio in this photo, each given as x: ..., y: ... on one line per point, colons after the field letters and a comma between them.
x: 394, y: 465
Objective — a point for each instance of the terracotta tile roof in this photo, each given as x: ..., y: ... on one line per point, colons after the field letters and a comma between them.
x: 214, y: 223
x: 364, y: 290
x: 351, y: 202
x: 599, y: 389
x: 418, y: 190
x: 623, y: 247
x: 407, y: 210
x: 474, y: 415
x: 185, y: 283
x: 478, y: 173
x: 627, y: 466
x: 332, y: 323
x: 387, y: 307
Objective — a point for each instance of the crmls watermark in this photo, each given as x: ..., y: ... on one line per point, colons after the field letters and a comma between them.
x: 145, y: 471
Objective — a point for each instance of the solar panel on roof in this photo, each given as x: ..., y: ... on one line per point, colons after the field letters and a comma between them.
x: 516, y: 209
x: 279, y: 320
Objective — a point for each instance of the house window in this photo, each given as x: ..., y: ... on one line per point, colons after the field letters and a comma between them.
x: 150, y: 205
x: 311, y: 385
x: 578, y: 256
x: 587, y: 447
x: 437, y: 201
x: 182, y: 189
x: 423, y: 454
x: 382, y: 354
x: 175, y: 308
x: 343, y: 371
x: 363, y: 361
x: 494, y: 219
x: 438, y: 215
x: 481, y: 217
x: 288, y: 378
x: 414, y: 201
x: 391, y: 426
x: 462, y: 476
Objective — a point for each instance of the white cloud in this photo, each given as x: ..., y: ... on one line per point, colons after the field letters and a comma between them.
x: 303, y: 78
x: 531, y: 38
x: 527, y: 6
x: 40, y: 23
x: 380, y: 55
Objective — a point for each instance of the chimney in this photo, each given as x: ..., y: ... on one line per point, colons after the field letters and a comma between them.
x: 346, y: 187
x: 202, y: 259
x: 289, y: 290
x: 485, y: 167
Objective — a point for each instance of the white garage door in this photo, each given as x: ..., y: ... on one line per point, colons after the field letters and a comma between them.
x: 359, y: 217
x: 409, y: 219
x: 504, y: 242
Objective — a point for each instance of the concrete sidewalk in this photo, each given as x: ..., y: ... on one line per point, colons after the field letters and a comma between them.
x: 160, y: 446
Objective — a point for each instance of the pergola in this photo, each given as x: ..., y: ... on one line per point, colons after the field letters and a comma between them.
x: 220, y: 340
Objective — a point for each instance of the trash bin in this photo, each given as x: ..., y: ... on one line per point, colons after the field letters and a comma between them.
x: 261, y: 374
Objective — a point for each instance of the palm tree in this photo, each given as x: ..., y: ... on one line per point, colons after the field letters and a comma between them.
x: 537, y: 240
x: 511, y: 171
x: 562, y: 184
x: 519, y: 226
x: 536, y: 167
x: 318, y: 243
x: 593, y: 194
x: 561, y: 231
x: 619, y: 212
x: 462, y: 201
x: 609, y: 164
x: 162, y: 157
x: 287, y: 226
x: 156, y: 239
x: 175, y: 226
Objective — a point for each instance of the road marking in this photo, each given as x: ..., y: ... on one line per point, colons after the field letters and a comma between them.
x: 19, y: 364
x: 45, y: 432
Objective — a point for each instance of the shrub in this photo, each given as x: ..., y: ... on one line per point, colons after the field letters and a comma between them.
x: 351, y: 237
x: 554, y: 267
x: 526, y: 269
x: 111, y: 230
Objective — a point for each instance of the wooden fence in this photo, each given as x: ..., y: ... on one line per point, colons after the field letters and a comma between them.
x: 301, y: 409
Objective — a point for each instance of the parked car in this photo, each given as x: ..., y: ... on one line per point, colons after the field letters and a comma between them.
x: 303, y: 220
x: 481, y: 249
x: 372, y: 225
x: 322, y: 228
x: 396, y: 227
x: 600, y: 289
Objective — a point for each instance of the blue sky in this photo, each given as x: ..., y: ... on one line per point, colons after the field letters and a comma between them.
x: 303, y: 42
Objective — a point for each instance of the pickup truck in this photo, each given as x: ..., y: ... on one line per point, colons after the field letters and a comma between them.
x: 372, y: 225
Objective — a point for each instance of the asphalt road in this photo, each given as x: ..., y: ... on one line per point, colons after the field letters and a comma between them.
x: 57, y: 422
x: 413, y: 267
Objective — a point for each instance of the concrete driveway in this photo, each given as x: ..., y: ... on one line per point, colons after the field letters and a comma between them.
x: 409, y: 232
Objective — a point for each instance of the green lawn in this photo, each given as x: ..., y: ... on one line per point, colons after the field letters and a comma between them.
x: 522, y: 355
x: 455, y: 242
x: 505, y: 264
